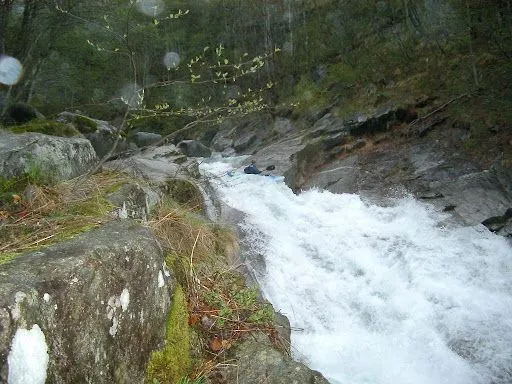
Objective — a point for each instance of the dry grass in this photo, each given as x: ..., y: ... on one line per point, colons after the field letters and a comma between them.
x: 55, y: 213
x: 222, y: 309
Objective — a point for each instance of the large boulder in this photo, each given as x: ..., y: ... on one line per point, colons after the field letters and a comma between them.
x: 145, y: 139
x: 89, y: 310
x: 50, y: 157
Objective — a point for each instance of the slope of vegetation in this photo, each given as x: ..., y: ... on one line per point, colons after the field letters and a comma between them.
x: 352, y: 56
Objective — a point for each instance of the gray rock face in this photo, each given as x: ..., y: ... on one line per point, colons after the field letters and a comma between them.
x: 477, y: 197
x: 328, y: 124
x: 338, y: 177
x: 135, y: 201
x: 258, y: 362
x: 283, y: 126
x: 283, y: 155
x: 194, y: 148
x: 57, y: 158
x: 101, y: 300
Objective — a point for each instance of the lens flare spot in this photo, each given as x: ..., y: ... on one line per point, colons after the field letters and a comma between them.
x: 171, y: 60
x: 151, y: 8
x: 11, y: 70
x: 132, y: 95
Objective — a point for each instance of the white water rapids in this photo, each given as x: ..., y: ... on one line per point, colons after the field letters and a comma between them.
x: 380, y: 295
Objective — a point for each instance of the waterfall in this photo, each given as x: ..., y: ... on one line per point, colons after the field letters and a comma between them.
x: 385, y: 295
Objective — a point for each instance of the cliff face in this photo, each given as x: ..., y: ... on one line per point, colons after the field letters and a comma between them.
x: 415, y: 149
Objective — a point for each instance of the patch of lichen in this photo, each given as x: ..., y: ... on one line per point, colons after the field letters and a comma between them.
x: 47, y: 127
x: 173, y: 361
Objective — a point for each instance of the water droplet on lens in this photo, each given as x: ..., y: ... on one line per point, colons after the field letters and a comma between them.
x: 10, y: 70
x: 171, y: 60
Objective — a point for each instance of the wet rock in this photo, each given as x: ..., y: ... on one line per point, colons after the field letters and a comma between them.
x: 222, y: 142
x: 499, y: 223
x: 257, y: 361
x: 284, y: 155
x: 244, y: 141
x: 478, y: 196
x: 338, y: 177
x: 430, y: 195
x: 248, y: 133
x: 51, y: 157
x: 101, y: 300
x: 194, y: 148
x: 379, y: 122
x: 406, y: 114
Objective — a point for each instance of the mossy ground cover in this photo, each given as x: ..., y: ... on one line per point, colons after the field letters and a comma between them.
x: 361, y: 90
x: 222, y: 310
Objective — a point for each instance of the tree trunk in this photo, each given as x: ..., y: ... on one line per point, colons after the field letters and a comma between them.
x: 471, y: 50
x: 5, y: 10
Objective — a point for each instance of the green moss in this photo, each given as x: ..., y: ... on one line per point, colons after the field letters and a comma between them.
x: 6, y: 257
x: 46, y: 127
x: 173, y: 362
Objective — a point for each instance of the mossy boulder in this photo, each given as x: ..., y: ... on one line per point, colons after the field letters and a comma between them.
x: 46, y: 127
x: 47, y: 158
x: 82, y: 123
x: 101, y: 300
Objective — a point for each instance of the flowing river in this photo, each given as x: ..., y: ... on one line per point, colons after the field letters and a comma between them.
x: 380, y: 295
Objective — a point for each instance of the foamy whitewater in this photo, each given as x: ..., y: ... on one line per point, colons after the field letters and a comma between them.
x: 384, y: 295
